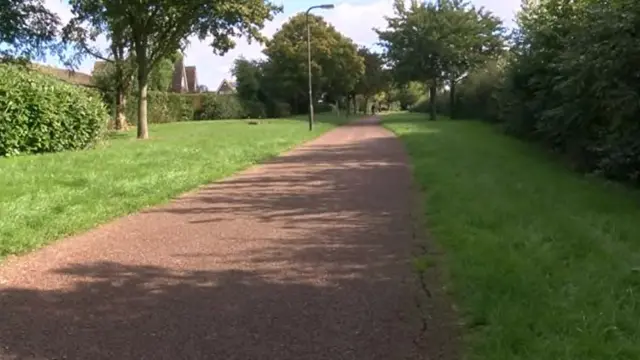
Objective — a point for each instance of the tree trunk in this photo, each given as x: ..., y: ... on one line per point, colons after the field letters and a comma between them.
x: 432, y: 101
x: 120, y: 118
x: 366, y: 104
x: 452, y: 99
x: 143, y: 78
x: 348, y: 104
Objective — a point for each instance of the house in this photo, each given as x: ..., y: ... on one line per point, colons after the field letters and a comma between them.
x: 226, y: 87
x: 184, y: 78
x: 70, y: 76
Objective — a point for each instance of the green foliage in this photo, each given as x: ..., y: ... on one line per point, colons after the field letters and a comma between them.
x: 408, y: 94
x: 543, y: 262
x: 375, y: 78
x: 279, y: 109
x: 335, y: 64
x: 161, y: 76
x: 156, y: 30
x: 437, y: 42
x: 45, y: 198
x: 27, y: 29
x: 163, y: 107
x: 218, y: 107
x: 248, y: 74
x: 571, y: 83
x: 39, y: 113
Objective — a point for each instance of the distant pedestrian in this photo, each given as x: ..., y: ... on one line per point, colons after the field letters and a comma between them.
x: 373, y: 109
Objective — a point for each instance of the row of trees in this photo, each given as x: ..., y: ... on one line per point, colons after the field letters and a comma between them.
x: 566, y: 76
x: 140, y: 34
x: 439, y: 42
x: 340, y: 69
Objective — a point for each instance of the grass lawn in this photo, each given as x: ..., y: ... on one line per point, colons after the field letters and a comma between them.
x: 544, y: 263
x: 45, y: 197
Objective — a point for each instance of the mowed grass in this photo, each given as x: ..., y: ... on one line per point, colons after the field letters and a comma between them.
x: 544, y: 263
x: 46, y: 197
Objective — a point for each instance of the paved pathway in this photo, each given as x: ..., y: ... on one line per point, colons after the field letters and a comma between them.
x: 305, y: 257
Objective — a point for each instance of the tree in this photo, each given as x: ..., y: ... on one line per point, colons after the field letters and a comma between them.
x: 27, y: 29
x: 248, y: 74
x: 335, y: 64
x: 438, y: 42
x: 474, y: 37
x: 374, y: 79
x: 413, y: 43
x: 91, y: 18
x: 161, y: 27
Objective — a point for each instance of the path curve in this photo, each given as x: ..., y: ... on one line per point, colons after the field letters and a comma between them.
x: 304, y: 257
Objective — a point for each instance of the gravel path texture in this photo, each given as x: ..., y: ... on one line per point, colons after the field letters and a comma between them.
x: 304, y: 257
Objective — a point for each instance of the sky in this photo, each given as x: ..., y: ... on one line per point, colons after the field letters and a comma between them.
x: 354, y: 18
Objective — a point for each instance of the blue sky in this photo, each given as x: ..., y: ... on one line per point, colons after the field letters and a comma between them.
x: 354, y: 18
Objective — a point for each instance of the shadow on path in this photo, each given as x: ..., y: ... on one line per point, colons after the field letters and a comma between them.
x: 305, y: 257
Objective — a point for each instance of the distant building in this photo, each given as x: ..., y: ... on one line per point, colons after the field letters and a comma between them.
x: 184, y: 78
x: 226, y: 87
x: 70, y: 76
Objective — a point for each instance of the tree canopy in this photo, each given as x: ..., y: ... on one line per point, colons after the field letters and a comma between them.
x: 436, y: 42
x: 27, y: 29
x: 153, y: 31
x: 335, y: 64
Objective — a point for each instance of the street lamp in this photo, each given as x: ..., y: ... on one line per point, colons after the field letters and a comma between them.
x: 325, y: 6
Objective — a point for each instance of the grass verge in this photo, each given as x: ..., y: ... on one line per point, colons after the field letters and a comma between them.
x: 544, y: 262
x: 46, y: 197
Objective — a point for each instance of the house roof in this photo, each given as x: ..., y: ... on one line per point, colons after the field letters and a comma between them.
x: 99, y: 66
x: 227, y: 85
x: 192, y: 80
x: 178, y: 76
x: 70, y: 76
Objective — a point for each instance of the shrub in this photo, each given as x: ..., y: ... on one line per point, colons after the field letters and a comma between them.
x: 255, y: 109
x: 162, y: 107
x: 281, y: 109
x: 40, y: 114
x: 217, y: 107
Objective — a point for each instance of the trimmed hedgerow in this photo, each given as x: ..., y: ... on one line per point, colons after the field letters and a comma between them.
x: 40, y: 114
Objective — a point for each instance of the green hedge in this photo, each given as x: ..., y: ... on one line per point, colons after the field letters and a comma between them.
x: 40, y: 114
x: 171, y: 107
x: 162, y: 107
x: 218, y: 107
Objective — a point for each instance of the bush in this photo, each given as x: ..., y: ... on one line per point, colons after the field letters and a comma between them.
x: 323, y: 107
x: 40, y: 114
x: 162, y: 107
x: 217, y: 107
x: 255, y: 109
x: 279, y: 109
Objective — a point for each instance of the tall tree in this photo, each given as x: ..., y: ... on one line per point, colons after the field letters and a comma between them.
x: 414, y: 45
x: 159, y: 28
x: 92, y: 19
x: 27, y: 29
x: 248, y: 74
x: 335, y: 64
x: 473, y: 37
x: 374, y: 79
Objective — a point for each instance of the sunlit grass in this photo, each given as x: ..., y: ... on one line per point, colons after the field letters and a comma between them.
x: 544, y: 262
x: 45, y: 197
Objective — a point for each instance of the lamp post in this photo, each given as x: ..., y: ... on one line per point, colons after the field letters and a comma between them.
x: 324, y: 6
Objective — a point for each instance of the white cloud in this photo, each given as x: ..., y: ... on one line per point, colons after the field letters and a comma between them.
x: 354, y: 18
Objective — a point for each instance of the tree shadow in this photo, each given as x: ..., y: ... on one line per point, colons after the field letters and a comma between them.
x: 306, y: 257
x: 144, y: 312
